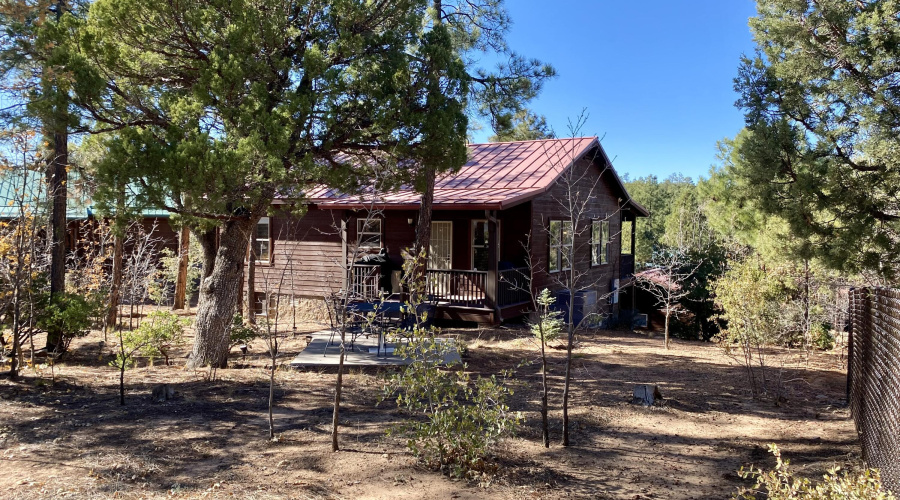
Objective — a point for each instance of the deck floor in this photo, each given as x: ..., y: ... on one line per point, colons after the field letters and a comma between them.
x: 319, y: 353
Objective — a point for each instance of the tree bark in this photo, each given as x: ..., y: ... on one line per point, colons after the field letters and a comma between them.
x: 335, y: 416
x: 571, y: 341
x: 545, y: 424
x: 423, y: 226
x: 184, y: 245
x: 112, y: 311
x: 57, y: 191
x: 209, y: 242
x: 219, y: 297
x: 251, y: 281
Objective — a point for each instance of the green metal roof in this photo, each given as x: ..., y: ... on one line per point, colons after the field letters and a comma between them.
x: 13, y: 183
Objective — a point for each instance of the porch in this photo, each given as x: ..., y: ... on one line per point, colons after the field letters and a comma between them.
x: 480, y: 296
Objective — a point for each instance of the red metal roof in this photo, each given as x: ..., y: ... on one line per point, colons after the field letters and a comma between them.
x: 497, y: 176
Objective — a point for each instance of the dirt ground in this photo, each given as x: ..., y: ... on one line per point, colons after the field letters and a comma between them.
x: 71, y: 438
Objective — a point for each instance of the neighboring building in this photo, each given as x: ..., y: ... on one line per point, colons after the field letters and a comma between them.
x: 482, y: 218
x: 80, y: 214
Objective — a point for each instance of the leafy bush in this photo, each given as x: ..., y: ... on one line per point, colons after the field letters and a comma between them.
x: 158, y: 333
x: 780, y: 483
x: 462, y: 421
x: 241, y: 334
x: 155, y: 337
x: 822, y: 336
x: 70, y: 315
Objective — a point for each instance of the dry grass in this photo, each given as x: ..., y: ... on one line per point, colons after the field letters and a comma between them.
x: 71, y: 439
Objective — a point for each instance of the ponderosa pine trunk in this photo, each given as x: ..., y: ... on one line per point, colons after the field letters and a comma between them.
x: 184, y: 248
x: 112, y: 311
x: 57, y: 177
x: 219, y: 295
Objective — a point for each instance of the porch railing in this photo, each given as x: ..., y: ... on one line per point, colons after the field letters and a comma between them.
x: 513, y: 286
x: 457, y: 288
x: 452, y: 287
x: 364, y: 281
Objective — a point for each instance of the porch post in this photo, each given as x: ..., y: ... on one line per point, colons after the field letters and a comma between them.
x: 344, y: 257
x: 633, y: 232
x: 490, y: 291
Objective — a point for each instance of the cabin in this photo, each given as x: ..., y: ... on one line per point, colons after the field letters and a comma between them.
x: 27, y: 187
x: 507, y: 201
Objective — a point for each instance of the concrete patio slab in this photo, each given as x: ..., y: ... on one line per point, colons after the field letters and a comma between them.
x: 364, y: 353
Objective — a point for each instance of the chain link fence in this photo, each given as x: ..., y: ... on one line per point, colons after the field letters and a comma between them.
x: 873, y: 384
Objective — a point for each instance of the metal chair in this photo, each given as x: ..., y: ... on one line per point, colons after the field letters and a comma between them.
x: 341, y: 320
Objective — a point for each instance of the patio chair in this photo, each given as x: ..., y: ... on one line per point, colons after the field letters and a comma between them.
x: 339, y: 318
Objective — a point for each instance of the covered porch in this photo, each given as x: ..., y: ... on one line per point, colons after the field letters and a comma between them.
x: 476, y: 262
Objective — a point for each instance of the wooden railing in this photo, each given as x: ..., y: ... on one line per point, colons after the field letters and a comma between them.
x: 364, y: 281
x: 457, y: 288
x: 513, y: 286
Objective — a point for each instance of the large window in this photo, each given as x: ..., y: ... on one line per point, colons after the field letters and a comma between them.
x: 599, y: 242
x: 561, y: 238
x: 262, y: 246
x: 480, y: 254
x: 368, y: 233
x: 627, y: 228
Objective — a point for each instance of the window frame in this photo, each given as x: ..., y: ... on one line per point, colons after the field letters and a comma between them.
x: 600, y: 230
x: 556, y: 246
x: 361, y: 223
x: 473, y: 246
x: 257, y: 256
x: 623, y: 237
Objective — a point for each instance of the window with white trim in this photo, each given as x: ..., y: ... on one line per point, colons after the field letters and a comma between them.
x: 599, y: 242
x: 368, y: 233
x: 262, y: 245
x: 561, y: 239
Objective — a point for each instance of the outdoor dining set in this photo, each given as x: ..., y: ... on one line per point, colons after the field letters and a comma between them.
x: 354, y: 317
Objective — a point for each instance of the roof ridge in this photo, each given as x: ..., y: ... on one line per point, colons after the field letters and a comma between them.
x: 532, y: 140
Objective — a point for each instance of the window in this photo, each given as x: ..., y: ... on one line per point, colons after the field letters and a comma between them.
x: 627, y: 228
x: 599, y: 242
x: 561, y: 238
x: 368, y: 233
x: 262, y: 247
x: 480, y: 254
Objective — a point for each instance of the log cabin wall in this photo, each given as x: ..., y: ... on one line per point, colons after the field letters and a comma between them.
x: 604, y: 202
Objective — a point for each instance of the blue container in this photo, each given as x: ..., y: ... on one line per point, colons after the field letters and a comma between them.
x: 585, y: 304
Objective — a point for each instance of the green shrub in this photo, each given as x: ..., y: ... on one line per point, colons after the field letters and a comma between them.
x: 822, y: 336
x: 461, y: 421
x: 70, y: 315
x: 780, y: 483
x: 241, y: 334
x: 158, y: 333
x: 549, y: 323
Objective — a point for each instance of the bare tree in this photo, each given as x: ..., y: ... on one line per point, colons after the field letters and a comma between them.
x: 17, y: 271
x: 666, y: 280
x: 340, y: 301
x: 577, y: 234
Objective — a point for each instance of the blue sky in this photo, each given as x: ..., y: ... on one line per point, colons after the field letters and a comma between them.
x: 654, y: 75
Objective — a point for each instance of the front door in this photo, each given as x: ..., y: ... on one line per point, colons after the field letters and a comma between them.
x: 440, y: 257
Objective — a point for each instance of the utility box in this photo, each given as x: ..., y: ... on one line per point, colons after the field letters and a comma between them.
x: 585, y: 304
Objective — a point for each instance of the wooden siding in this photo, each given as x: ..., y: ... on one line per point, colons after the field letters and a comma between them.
x: 603, y: 203
x: 306, y: 255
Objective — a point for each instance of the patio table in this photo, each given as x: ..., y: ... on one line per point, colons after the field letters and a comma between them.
x: 380, y: 309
